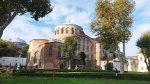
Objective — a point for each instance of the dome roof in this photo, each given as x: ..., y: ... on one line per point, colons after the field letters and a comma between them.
x: 17, y: 40
x: 68, y: 25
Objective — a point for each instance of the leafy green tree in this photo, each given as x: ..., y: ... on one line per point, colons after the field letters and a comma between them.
x: 10, y: 8
x: 83, y: 56
x: 4, y: 50
x: 24, y: 50
x: 112, y: 24
x: 144, y: 44
x: 13, y: 50
x: 69, y: 47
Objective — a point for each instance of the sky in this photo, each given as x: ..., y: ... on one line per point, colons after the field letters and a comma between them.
x: 80, y: 12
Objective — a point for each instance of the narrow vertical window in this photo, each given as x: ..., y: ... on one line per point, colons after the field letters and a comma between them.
x: 59, y: 51
x: 72, y: 31
x: 66, y: 31
x: 62, y: 30
x: 58, y: 31
x: 50, y: 50
x: 83, y: 48
x: 87, y: 48
x: 83, y: 40
x: 91, y: 48
x: 79, y: 40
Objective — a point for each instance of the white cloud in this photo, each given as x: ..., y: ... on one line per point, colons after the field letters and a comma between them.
x: 79, y: 12
x: 131, y: 49
x: 142, y: 3
x: 23, y: 29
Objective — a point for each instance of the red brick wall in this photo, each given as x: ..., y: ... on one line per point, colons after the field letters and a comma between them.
x: 53, y: 61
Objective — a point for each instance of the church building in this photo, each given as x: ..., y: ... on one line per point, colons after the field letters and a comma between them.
x: 46, y: 53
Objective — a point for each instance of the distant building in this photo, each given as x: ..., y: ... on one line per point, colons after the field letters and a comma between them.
x: 141, y: 64
x: 46, y: 53
x: 132, y: 63
x: 18, y: 43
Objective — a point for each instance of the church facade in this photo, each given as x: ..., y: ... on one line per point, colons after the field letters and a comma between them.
x: 46, y: 53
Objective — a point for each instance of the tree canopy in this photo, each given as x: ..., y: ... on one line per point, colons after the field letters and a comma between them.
x: 144, y: 44
x: 24, y: 50
x: 10, y: 8
x: 69, y: 47
x: 4, y: 50
x: 7, y: 49
x: 83, y: 56
x: 13, y: 50
x: 112, y: 24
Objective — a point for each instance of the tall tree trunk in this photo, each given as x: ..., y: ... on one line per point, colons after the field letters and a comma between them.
x: 121, y: 59
x: 121, y: 64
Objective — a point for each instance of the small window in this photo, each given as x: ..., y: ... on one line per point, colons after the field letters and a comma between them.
x: 83, y: 40
x: 87, y: 42
x: 62, y: 30
x: 58, y: 31
x: 50, y: 50
x: 87, y: 48
x: 83, y: 48
x: 141, y: 68
x: 79, y: 40
x: 140, y: 58
x: 72, y: 31
x: 91, y: 48
x: 66, y: 31
x: 78, y: 46
x: 59, y: 51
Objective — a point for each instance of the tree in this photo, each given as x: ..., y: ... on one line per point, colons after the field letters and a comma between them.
x: 144, y: 44
x: 24, y: 50
x: 10, y: 8
x: 112, y: 24
x: 69, y: 47
x: 13, y: 50
x: 4, y: 50
x: 83, y: 56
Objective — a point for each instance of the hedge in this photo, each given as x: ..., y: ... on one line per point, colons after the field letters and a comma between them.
x: 83, y: 74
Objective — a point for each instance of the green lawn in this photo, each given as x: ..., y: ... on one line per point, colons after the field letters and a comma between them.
x: 46, y: 80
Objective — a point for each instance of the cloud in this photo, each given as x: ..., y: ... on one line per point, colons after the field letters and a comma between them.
x: 80, y: 12
x: 142, y: 3
x: 131, y: 48
x: 23, y: 29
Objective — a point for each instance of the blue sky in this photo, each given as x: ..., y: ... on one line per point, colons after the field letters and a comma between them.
x: 80, y: 12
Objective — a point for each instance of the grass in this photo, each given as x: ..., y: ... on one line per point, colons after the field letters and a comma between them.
x: 47, y: 80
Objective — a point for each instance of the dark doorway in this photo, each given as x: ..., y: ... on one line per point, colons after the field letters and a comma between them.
x: 61, y: 66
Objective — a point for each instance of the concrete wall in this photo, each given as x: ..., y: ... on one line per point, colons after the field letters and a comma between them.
x: 141, y: 64
x: 12, y: 60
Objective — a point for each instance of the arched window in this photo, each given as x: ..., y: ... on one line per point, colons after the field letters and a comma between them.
x: 35, y: 57
x: 58, y: 31
x: 79, y: 40
x: 50, y: 50
x: 62, y: 30
x: 72, y: 31
x: 67, y: 31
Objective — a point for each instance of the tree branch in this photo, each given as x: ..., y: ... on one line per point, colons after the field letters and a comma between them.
x: 10, y: 18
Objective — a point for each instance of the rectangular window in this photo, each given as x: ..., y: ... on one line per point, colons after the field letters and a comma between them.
x: 140, y: 58
x: 59, y: 51
x: 87, y: 48
x: 141, y: 68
